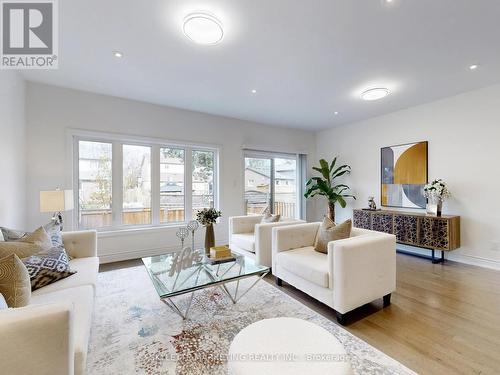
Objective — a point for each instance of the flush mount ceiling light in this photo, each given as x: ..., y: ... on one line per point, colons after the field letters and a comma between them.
x: 375, y: 93
x: 254, y: 91
x: 474, y: 66
x: 117, y: 54
x: 203, y: 28
x: 336, y: 113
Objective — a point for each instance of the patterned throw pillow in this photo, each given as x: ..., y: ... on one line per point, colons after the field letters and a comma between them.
x: 28, y: 245
x: 329, y: 231
x: 14, y: 281
x: 47, y: 267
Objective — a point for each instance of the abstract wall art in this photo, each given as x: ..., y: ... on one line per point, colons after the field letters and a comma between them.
x: 404, y: 174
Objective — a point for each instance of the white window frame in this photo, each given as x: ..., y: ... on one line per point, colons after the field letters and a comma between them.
x: 300, y: 176
x: 117, y: 141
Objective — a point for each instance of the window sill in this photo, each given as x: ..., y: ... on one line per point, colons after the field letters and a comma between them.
x: 113, y: 232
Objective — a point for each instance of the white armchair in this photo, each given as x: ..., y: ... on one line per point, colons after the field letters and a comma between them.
x: 250, y: 237
x: 356, y: 270
x: 50, y: 335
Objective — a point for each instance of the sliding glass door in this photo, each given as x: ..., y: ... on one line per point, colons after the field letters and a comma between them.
x: 285, y: 192
x: 272, y: 180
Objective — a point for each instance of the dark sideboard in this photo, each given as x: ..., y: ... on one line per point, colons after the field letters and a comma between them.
x: 414, y: 229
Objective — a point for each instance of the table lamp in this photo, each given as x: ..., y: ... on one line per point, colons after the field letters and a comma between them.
x: 56, y: 201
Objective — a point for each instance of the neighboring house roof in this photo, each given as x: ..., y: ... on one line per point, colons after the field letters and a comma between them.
x: 281, y: 174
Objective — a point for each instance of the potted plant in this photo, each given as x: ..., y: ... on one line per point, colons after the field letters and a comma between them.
x: 208, y: 217
x: 326, y: 187
x: 436, y: 192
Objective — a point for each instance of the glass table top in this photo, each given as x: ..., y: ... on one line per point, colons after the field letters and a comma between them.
x: 185, y: 271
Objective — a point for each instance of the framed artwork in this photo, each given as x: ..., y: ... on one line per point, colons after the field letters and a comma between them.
x: 404, y: 172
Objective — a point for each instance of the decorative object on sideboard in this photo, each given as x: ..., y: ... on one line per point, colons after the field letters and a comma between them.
x: 325, y: 186
x: 56, y: 201
x: 371, y: 203
x: 208, y: 217
x: 192, y: 227
x: 182, y: 233
x: 404, y: 173
x: 436, y: 192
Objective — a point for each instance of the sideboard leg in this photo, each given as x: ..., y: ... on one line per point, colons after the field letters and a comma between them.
x: 437, y: 260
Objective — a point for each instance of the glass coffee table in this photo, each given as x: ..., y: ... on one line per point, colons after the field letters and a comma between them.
x: 187, y: 271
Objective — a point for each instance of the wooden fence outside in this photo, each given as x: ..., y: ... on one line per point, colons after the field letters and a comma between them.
x: 98, y: 219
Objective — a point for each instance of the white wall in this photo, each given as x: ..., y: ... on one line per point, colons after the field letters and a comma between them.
x: 12, y: 150
x: 464, y: 149
x: 52, y: 110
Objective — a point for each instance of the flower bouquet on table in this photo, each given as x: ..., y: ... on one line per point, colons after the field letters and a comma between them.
x: 208, y: 217
x: 436, y: 192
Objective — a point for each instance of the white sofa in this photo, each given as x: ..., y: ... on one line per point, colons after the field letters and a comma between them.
x: 248, y: 236
x: 50, y: 336
x: 356, y: 270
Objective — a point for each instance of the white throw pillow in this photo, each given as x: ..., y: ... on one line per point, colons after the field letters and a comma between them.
x: 1, y: 237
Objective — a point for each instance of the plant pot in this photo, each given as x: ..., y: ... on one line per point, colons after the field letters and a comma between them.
x: 434, y: 206
x: 209, y: 238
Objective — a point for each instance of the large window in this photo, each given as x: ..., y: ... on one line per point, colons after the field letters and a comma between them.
x: 136, y: 185
x: 203, y: 180
x: 123, y: 183
x: 94, y: 184
x: 272, y: 181
x: 171, y: 185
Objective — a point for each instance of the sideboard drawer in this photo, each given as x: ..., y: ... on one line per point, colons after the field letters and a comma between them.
x: 383, y: 222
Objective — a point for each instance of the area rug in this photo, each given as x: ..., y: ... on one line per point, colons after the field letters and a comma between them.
x: 133, y: 332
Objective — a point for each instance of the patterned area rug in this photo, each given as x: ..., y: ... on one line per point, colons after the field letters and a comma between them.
x: 134, y: 332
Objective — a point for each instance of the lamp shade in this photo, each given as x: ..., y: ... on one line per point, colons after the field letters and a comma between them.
x: 56, y: 200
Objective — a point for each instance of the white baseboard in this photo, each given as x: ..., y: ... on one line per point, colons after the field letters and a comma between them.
x: 461, y: 258
x: 475, y: 261
x: 148, y: 252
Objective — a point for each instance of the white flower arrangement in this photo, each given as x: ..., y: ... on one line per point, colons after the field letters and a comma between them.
x: 437, y: 189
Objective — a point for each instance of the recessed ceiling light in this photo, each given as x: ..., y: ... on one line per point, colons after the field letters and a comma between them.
x: 203, y: 28
x: 474, y: 66
x: 117, y: 54
x: 375, y: 93
x: 336, y: 113
x: 254, y: 91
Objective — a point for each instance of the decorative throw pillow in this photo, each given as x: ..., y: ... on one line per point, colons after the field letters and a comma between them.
x: 329, y: 231
x: 12, y: 235
x: 47, y: 267
x: 52, y: 228
x: 3, y: 303
x: 14, y: 281
x: 1, y: 236
x: 269, y: 218
x: 28, y: 245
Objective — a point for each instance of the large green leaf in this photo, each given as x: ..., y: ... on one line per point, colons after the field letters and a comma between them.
x: 333, y: 163
x: 341, y: 201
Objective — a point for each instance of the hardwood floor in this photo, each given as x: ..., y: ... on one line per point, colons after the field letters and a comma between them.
x: 444, y: 319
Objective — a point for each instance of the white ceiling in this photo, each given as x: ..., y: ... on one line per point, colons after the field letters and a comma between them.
x: 307, y: 59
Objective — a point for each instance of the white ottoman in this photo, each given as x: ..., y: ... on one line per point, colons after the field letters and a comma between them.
x: 286, y: 346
